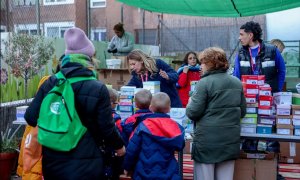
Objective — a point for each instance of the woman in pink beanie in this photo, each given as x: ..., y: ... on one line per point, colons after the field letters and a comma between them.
x: 92, y: 103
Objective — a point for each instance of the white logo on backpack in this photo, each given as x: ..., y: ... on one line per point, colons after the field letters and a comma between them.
x: 55, y: 107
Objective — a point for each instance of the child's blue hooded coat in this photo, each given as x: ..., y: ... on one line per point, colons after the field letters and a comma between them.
x: 150, y: 152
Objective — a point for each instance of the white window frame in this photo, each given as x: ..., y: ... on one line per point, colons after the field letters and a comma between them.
x: 98, y: 30
x: 26, y: 3
x: 59, y: 25
x: 27, y: 27
x: 95, y: 1
x: 58, y: 3
x: 3, y: 28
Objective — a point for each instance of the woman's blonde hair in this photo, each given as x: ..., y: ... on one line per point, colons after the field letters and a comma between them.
x: 149, y: 62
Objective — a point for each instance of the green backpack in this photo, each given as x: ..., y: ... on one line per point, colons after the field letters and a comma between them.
x: 59, y: 126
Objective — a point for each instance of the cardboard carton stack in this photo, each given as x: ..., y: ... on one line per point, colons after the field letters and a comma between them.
x: 257, y: 102
x: 284, y: 124
x: 290, y: 151
x: 152, y: 86
x: 126, y: 104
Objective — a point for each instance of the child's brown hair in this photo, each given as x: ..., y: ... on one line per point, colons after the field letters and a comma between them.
x: 143, y: 99
x: 160, y: 103
x: 113, y: 95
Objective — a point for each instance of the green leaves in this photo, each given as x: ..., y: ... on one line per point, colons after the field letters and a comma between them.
x: 27, y: 54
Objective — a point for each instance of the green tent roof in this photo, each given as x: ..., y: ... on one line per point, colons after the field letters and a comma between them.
x: 214, y: 8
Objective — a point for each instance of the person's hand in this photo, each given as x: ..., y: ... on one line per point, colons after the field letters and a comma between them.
x: 164, y: 74
x: 120, y: 152
x: 109, y: 51
x: 185, y: 69
x: 114, y: 50
x: 127, y: 173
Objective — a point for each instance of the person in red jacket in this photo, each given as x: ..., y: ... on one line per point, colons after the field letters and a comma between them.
x: 189, y: 71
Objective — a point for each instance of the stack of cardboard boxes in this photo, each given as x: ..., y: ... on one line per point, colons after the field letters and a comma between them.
x: 126, y: 104
x: 258, y: 96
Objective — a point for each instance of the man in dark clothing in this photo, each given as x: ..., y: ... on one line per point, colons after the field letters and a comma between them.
x: 258, y: 58
x: 92, y: 103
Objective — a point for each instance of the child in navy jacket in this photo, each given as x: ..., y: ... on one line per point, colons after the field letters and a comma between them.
x: 142, y: 102
x: 112, y: 163
x: 150, y: 152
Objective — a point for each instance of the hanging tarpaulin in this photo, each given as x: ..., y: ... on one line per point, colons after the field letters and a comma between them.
x: 214, y: 8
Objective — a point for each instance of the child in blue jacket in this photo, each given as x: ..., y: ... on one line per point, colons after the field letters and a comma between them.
x: 112, y: 163
x: 142, y: 101
x: 150, y: 152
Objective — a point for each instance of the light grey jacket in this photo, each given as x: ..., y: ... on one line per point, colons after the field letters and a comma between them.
x: 124, y: 44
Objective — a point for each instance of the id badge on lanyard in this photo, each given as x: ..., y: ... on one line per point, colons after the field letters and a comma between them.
x: 254, y: 68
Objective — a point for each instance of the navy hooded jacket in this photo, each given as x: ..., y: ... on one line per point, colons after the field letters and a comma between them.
x: 150, y: 152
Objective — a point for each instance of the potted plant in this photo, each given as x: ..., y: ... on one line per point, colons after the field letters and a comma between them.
x: 26, y: 55
x: 8, y: 152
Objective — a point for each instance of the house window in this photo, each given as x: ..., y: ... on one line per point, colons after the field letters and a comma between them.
x: 30, y: 29
x: 3, y: 28
x: 24, y: 2
x: 58, y: 2
x: 57, y: 29
x: 97, y: 3
x: 98, y: 34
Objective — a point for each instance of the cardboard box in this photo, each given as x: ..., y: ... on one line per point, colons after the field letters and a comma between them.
x: 297, y: 131
x: 248, y: 128
x: 265, y: 101
x: 251, y: 110
x: 284, y: 120
x: 267, y: 120
x: 283, y: 98
x: 265, y: 110
x: 253, y: 79
x: 249, y: 119
x: 264, y: 129
x: 124, y: 62
x: 284, y: 110
x: 152, y: 86
x: 115, y: 77
x: 249, y: 169
x: 284, y: 129
x: 296, y: 109
x: 296, y: 122
x: 289, y: 152
x: 252, y: 104
x: 249, y: 79
x: 250, y: 98
x: 265, y: 91
x: 250, y: 88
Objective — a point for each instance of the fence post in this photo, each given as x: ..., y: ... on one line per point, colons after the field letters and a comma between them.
x: 38, y: 16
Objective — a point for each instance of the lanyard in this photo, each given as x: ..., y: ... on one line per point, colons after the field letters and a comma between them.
x: 146, y: 78
x: 253, y: 64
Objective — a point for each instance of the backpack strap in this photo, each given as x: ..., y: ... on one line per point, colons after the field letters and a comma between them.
x: 60, y: 75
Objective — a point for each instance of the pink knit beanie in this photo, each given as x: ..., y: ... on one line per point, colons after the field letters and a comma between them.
x: 78, y: 43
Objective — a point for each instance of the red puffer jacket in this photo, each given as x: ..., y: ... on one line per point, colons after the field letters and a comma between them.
x: 184, y: 83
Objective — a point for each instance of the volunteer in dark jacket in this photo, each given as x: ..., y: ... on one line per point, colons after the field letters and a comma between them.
x: 93, y: 106
x: 145, y: 68
x: 256, y: 57
x: 216, y: 107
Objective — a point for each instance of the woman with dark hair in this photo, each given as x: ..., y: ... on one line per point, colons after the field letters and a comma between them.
x: 145, y: 68
x: 188, y: 72
x: 122, y: 43
x: 216, y: 107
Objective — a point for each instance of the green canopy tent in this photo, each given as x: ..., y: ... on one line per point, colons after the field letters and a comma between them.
x: 214, y: 8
